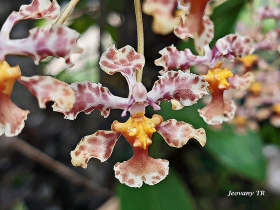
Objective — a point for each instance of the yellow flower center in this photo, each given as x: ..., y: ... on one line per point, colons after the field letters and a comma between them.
x: 8, y: 77
x: 138, y: 129
x: 249, y: 60
x: 217, y: 78
x: 276, y: 108
x: 255, y: 88
x: 240, y: 120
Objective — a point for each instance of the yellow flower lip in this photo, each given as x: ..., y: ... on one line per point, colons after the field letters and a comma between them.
x: 217, y: 78
x: 249, y: 60
x: 138, y: 129
x: 8, y: 77
x: 255, y: 88
x: 276, y: 108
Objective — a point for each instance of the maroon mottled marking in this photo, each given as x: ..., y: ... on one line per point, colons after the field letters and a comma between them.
x: 111, y: 55
x: 161, y: 172
x: 77, y: 153
x: 131, y: 181
x: 123, y: 50
x: 109, y: 65
x: 132, y: 55
x: 82, y: 148
x: 117, y: 172
x: 156, y: 177
x: 143, y: 178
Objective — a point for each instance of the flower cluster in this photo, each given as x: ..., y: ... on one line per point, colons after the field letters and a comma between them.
x: 176, y: 84
x: 180, y: 87
x: 57, y: 41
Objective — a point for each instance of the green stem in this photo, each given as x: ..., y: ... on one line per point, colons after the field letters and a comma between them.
x: 67, y: 11
x: 140, y: 35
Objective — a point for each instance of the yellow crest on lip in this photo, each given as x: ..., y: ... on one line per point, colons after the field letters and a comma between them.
x: 8, y: 77
x: 249, y: 60
x: 217, y: 78
x: 138, y: 129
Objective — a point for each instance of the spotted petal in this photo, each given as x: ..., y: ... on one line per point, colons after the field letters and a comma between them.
x: 233, y: 46
x: 181, y: 88
x: 141, y: 168
x: 47, y: 88
x: 268, y: 12
x: 98, y: 145
x: 218, y: 110
x: 38, y: 9
x: 242, y: 82
x: 177, y: 134
x: 125, y: 60
x: 57, y: 41
x: 91, y: 96
x: 11, y: 117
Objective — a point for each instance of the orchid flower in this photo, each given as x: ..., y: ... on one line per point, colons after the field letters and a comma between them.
x: 182, y: 89
x: 58, y: 41
x: 191, y: 23
x: 229, y: 47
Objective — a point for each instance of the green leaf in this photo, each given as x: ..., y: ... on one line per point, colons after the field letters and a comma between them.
x: 171, y: 193
x: 242, y: 153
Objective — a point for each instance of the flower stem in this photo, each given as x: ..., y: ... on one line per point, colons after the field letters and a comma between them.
x: 140, y: 35
x: 66, y: 12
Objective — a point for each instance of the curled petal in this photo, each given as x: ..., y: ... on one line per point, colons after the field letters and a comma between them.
x: 98, y: 145
x: 186, y: 88
x: 201, y: 29
x: 141, y: 168
x: 91, y: 96
x: 173, y: 59
x: 268, y: 12
x: 125, y: 60
x: 47, y: 88
x: 57, y: 41
x: 233, y: 46
x: 38, y: 9
x: 163, y: 13
x: 218, y: 110
x: 11, y: 117
x: 242, y: 82
x: 177, y: 134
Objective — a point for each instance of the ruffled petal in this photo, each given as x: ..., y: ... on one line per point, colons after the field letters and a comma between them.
x: 38, y: 9
x: 98, y: 145
x: 141, y: 168
x: 267, y: 13
x: 11, y: 117
x: 185, y: 88
x: 173, y: 59
x: 218, y: 110
x: 163, y: 12
x: 199, y: 28
x: 242, y: 82
x: 177, y: 134
x: 47, y: 88
x: 233, y: 46
x: 125, y: 60
x: 91, y: 96
x: 57, y: 41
